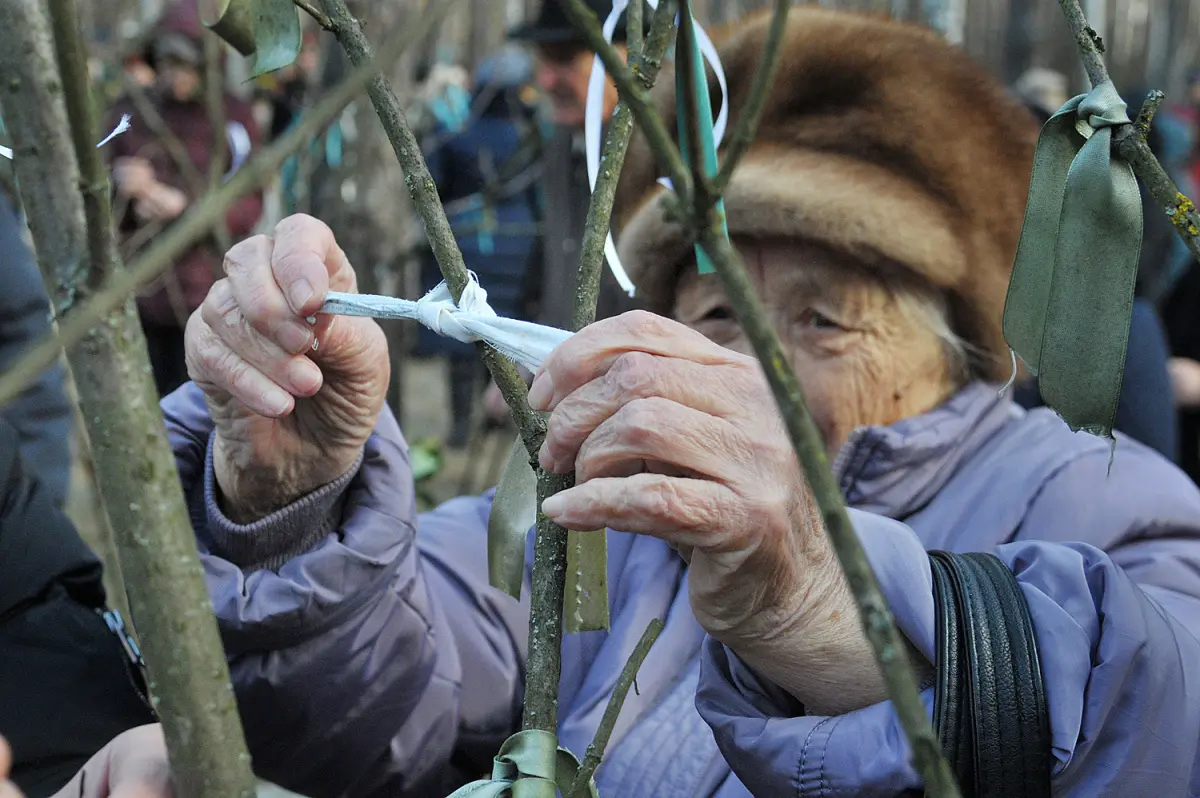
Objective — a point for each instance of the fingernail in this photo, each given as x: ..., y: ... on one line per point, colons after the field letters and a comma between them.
x: 544, y: 458
x: 299, y: 294
x: 553, y: 506
x: 294, y: 336
x: 277, y: 402
x: 304, y: 376
x: 541, y: 392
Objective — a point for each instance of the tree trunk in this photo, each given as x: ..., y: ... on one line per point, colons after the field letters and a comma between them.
x: 135, y: 468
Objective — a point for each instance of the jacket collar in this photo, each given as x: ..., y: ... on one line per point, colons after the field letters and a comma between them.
x: 896, y: 470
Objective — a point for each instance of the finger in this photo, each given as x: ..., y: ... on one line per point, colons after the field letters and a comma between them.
x: 214, y: 366
x: 224, y: 317
x: 260, y: 298
x: 589, y: 353
x: 713, y: 390
x: 307, y: 263
x: 663, y: 436
x: 685, y: 512
x: 139, y: 766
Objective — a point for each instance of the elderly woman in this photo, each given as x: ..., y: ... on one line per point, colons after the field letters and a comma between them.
x: 878, y: 213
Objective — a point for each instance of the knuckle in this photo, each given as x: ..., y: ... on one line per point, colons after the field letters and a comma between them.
x: 243, y: 256
x: 643, y: 323
x: 641, y: 422
x: 634, y: 372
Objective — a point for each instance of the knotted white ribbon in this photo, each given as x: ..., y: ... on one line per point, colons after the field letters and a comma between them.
x: 121, y: 127
x: 471, y: 320
x: 594, y: 113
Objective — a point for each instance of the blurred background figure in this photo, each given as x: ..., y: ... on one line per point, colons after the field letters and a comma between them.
x: 487, y: 173
x: 1043, y: 90
x: 163, y: 164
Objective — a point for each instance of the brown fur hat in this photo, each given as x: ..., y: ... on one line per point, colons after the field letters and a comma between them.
x: 878, y: 140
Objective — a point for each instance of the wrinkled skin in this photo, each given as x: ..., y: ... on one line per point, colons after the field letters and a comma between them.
x: 672, y: 431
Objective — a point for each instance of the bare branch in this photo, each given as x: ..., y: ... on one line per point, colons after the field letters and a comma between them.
x: 877, y: 620
x: 424, y: 195
x: 652, y: 125
x: 1130, y: 141
x: 199, y: 219
x: 764, y: 78
x: 612, y: 711
x: 612, y: 159
x: 322, y: 19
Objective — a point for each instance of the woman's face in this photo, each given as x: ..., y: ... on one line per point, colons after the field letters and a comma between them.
x: 863, y: 355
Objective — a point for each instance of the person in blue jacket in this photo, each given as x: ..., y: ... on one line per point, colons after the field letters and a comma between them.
x: 486, y: 175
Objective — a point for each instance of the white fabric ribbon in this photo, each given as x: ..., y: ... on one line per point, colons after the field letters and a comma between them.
x: 121, y: 127
x: 469, y: 321
x: 594, y: 113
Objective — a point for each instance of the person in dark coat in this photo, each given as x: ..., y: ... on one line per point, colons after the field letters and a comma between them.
x: 154, y: 188
x: 70, y: 678
x: 486, y: 175
x: 41, y: 416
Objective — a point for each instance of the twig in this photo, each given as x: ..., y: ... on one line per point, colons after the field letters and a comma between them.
x: 198, y: 220
x: 877, y: 621
x: 764, y: 78
x: 652, y: 125
x: 595, y: 751
x: 1145, y: 116
x: 424, y: 194
x: 612, y: 159
x: 135, y: 468
x: 635, y: 39
x: 220, y: 158
x: 322, y: 19
x: 1130, y: 141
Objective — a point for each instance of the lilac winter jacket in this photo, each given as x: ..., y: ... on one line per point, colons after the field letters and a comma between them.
x: 371, y: 658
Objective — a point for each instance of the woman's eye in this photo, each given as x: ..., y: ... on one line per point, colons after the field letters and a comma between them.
x: 818, y: 320
x: 719, y: 313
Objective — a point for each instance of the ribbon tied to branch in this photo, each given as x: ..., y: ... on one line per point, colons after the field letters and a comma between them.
x: 530, y: 765
x: 1070, y: 299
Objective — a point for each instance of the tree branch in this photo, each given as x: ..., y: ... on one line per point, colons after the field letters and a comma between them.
x: 135, y: 467
x: 877, y: 621
x: 1130, y: 141
x: 612, y: 711
x: 652, y: 125
x: 612, y: 159
x: 764, y: 78
x: 198, y: 220
x: 322, y: 19
x: 424, y: 194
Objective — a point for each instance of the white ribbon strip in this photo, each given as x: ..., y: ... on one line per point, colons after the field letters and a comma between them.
x: 471, y: 320
x: 594, y: 112
x: 121, y: 127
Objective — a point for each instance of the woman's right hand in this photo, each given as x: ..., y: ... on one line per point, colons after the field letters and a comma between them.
x: 293, y: 403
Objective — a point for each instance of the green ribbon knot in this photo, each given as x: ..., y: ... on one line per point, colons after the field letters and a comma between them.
x: 530, y: 765
x: 1070, y: 299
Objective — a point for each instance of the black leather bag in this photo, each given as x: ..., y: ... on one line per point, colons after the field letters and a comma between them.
x: 990, y: 707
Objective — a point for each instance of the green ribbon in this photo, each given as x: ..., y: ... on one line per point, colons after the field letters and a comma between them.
x: 1070, y: 299
x: 514, y: 511
x: 707, y: 139
x: 530, y: 765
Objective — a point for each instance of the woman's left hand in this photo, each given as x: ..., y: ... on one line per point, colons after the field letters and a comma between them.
x: 673, y: 436
x: 133, y: 765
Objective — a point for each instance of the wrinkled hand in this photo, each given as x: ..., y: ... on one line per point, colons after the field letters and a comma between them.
x: 673, y: 436
x: 289, y: 417
x: 133, y: 765
x: 133, y: 176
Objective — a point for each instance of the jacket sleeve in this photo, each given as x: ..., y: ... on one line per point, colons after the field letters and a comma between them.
x: 42, y: 414
x: 1117, y: 635
x: 366, y: 660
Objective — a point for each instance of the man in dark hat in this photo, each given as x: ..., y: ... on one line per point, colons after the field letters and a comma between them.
x: 564, y: 66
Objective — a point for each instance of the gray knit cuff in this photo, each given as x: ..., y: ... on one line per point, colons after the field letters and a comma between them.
x: 270, y: 542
